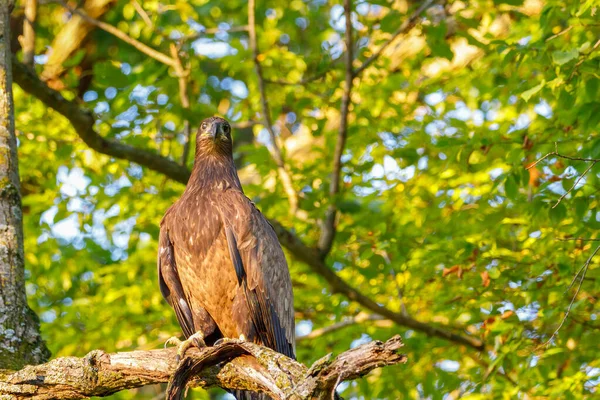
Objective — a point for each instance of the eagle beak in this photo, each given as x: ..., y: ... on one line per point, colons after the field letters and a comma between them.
x: 214, y: 130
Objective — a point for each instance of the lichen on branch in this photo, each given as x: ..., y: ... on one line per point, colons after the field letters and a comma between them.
x: 233, y: 365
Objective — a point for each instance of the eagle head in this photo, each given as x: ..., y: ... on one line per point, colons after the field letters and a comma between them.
x: 214, y: 137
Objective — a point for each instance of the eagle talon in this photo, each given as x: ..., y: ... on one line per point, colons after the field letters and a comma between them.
x: 173, y: 340
x: 196, y: 340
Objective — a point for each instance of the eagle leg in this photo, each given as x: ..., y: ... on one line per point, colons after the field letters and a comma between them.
x: 196, y: 340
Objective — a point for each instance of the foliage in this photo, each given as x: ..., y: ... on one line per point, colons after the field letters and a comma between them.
x: 439, y: 216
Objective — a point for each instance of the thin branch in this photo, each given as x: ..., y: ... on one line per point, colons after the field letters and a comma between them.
x: 580, y: 275
x: 183, y: 81
x: 575, y: 184
x: 275, y: 151
x: 557, y: 154
x: 328, y: 226
x: 28, y: 43
x: 83, y: 123
x: 405, y: 27
x: 157, y: 55
x: 560, y: 33
x: 233, y: 365
x: 140, y: 10
x: 593, y: 162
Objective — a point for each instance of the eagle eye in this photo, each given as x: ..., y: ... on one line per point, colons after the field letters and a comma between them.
x: 226, y: 129
x: 204, y: 126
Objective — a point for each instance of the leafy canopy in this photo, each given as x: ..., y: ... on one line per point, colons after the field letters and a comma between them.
x: 439, y: 216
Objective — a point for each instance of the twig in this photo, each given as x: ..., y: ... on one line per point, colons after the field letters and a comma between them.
x: 157, y: 55
x: 140, y: 10
x: 593, y: 162
x: 575, y: 184
x: 554, y: 153
x: 328, y: 226
x: 274, y: 149
x: 560, y: 33
x: 29, y: 32
x: 406, y: 25
x: 581, y: 276
x: 182, y: 79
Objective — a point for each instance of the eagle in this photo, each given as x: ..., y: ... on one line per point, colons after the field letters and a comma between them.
x: 220, y: 264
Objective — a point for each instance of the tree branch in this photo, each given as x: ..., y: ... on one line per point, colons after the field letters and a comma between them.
x: 83, y: 123
x: 328, y: 227
x: 274, y: 149
x: 312, y: 258
x: 28, y: 43
x: 182, y: 79
x: 69, y: 39
x: 580, y: 275
x: 405, y: 27
x: 157, y: 55
x: 233, y: 365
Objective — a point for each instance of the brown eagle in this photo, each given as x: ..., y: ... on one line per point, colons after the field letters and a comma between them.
x: 220, y: 265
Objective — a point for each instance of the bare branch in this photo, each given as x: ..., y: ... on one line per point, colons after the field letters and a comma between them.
x: 274, y: 149
x: 593, y: 162
x: 157, y: 55
x: 182, y: 79
x: 140, y: 10
x: 232, y: 365
x: 405, y: 27
x: 328, y: 226
x: 575, y: 184
x: 580, y: 275
x: 556, y: 153
x: 83, y: 123
x: 28, y: 42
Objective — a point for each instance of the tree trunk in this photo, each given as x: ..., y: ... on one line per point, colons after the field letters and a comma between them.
x: 20, y: 340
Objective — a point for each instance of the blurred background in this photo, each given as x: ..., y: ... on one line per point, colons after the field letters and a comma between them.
x: 438, y: 218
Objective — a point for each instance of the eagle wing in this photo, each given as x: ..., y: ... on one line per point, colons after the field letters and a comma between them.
x: 170, y: 284
x: 261, y: 270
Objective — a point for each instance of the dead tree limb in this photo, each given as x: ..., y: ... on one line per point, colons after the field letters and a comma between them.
x: 232, y: 365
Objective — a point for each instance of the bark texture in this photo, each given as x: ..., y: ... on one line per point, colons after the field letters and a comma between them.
x: 233, y: 365
x: 20, y: 341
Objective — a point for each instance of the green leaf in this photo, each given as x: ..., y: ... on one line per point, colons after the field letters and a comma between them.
x: 563, y: 57
x: 526, y: 95
x: 511, y: 186
x: 558, y: 213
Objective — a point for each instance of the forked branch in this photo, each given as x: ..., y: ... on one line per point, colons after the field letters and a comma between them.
x: 232, y: 365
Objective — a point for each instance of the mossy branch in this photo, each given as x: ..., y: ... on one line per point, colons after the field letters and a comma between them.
x: 232, y: 365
